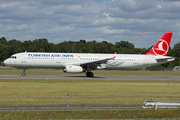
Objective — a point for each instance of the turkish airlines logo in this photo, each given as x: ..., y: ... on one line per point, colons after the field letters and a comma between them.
x: 161, y: 48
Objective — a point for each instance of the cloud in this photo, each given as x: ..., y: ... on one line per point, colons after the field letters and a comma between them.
x: 137, y: 21
x: 60, y: 29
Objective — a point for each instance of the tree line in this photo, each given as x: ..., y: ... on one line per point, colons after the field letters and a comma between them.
x: 7, y: 48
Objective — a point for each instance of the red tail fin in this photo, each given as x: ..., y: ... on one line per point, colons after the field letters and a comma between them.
x: 162, y: 46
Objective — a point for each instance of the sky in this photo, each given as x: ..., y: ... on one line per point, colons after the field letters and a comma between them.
x: 141, y: 22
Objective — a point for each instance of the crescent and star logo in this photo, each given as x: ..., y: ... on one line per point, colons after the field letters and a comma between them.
x: 161, y: 48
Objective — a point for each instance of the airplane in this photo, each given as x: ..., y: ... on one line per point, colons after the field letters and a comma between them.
x: 86, y: 62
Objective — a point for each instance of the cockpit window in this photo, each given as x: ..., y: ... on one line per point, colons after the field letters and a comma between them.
x: 14, y: 57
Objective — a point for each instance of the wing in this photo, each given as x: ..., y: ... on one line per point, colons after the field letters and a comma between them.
x: 94, y: 64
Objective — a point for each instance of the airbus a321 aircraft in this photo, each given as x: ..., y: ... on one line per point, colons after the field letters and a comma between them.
x: 79, y: 62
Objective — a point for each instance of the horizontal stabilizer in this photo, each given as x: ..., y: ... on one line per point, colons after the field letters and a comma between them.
x: 164, y: 57
x: 168, y: 58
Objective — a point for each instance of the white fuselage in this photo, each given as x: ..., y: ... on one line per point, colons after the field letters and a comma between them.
x: 61, y: 60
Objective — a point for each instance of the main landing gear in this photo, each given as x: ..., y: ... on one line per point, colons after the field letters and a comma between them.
x: 23, y: 74
x: 89, y: 74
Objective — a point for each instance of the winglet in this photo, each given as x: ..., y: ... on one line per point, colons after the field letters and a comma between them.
x: 113, y: 58
x: 162, y: 46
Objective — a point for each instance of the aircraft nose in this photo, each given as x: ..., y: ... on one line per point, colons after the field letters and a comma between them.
x: 6, y: 62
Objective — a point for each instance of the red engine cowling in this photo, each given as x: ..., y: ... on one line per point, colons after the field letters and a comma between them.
x: 74, y: 69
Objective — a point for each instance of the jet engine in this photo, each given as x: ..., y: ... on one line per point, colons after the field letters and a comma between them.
x: 74, y: 69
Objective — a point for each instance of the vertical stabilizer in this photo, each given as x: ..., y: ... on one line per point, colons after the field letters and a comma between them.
x: 162, y: 46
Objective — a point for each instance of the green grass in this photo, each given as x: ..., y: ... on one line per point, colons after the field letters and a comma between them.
x: 108, y: 114
x: 21, y: 91
x: 102, y: 92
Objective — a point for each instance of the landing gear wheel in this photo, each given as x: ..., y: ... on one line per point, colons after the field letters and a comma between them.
x: 89, y: 74
x: 23, y: 74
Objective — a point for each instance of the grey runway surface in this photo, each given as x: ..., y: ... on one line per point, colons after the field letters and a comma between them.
x: 77, y: 77
x: 64, y: 108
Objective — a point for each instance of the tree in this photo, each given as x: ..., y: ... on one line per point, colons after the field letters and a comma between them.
x: 15, y: 46
x: 3, y: 41
x: 176, y: 53
x: 4, y: 49
x: 83, y: 41
x: 124, y: 44
x: 41, y: 44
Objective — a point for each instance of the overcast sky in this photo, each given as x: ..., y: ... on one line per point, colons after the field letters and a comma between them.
x: 141, y: 22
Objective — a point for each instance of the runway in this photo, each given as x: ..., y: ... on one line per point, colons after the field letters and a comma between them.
x: 77, y: 77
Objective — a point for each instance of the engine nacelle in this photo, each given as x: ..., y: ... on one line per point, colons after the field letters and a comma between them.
x: 74, y: 69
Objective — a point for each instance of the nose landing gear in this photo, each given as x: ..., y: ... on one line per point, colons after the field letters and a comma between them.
x: 23, y: 74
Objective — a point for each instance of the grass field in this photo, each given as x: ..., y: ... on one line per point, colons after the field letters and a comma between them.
x: 104, y: 92
x: 109, y: 114
x: 109, y: 92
